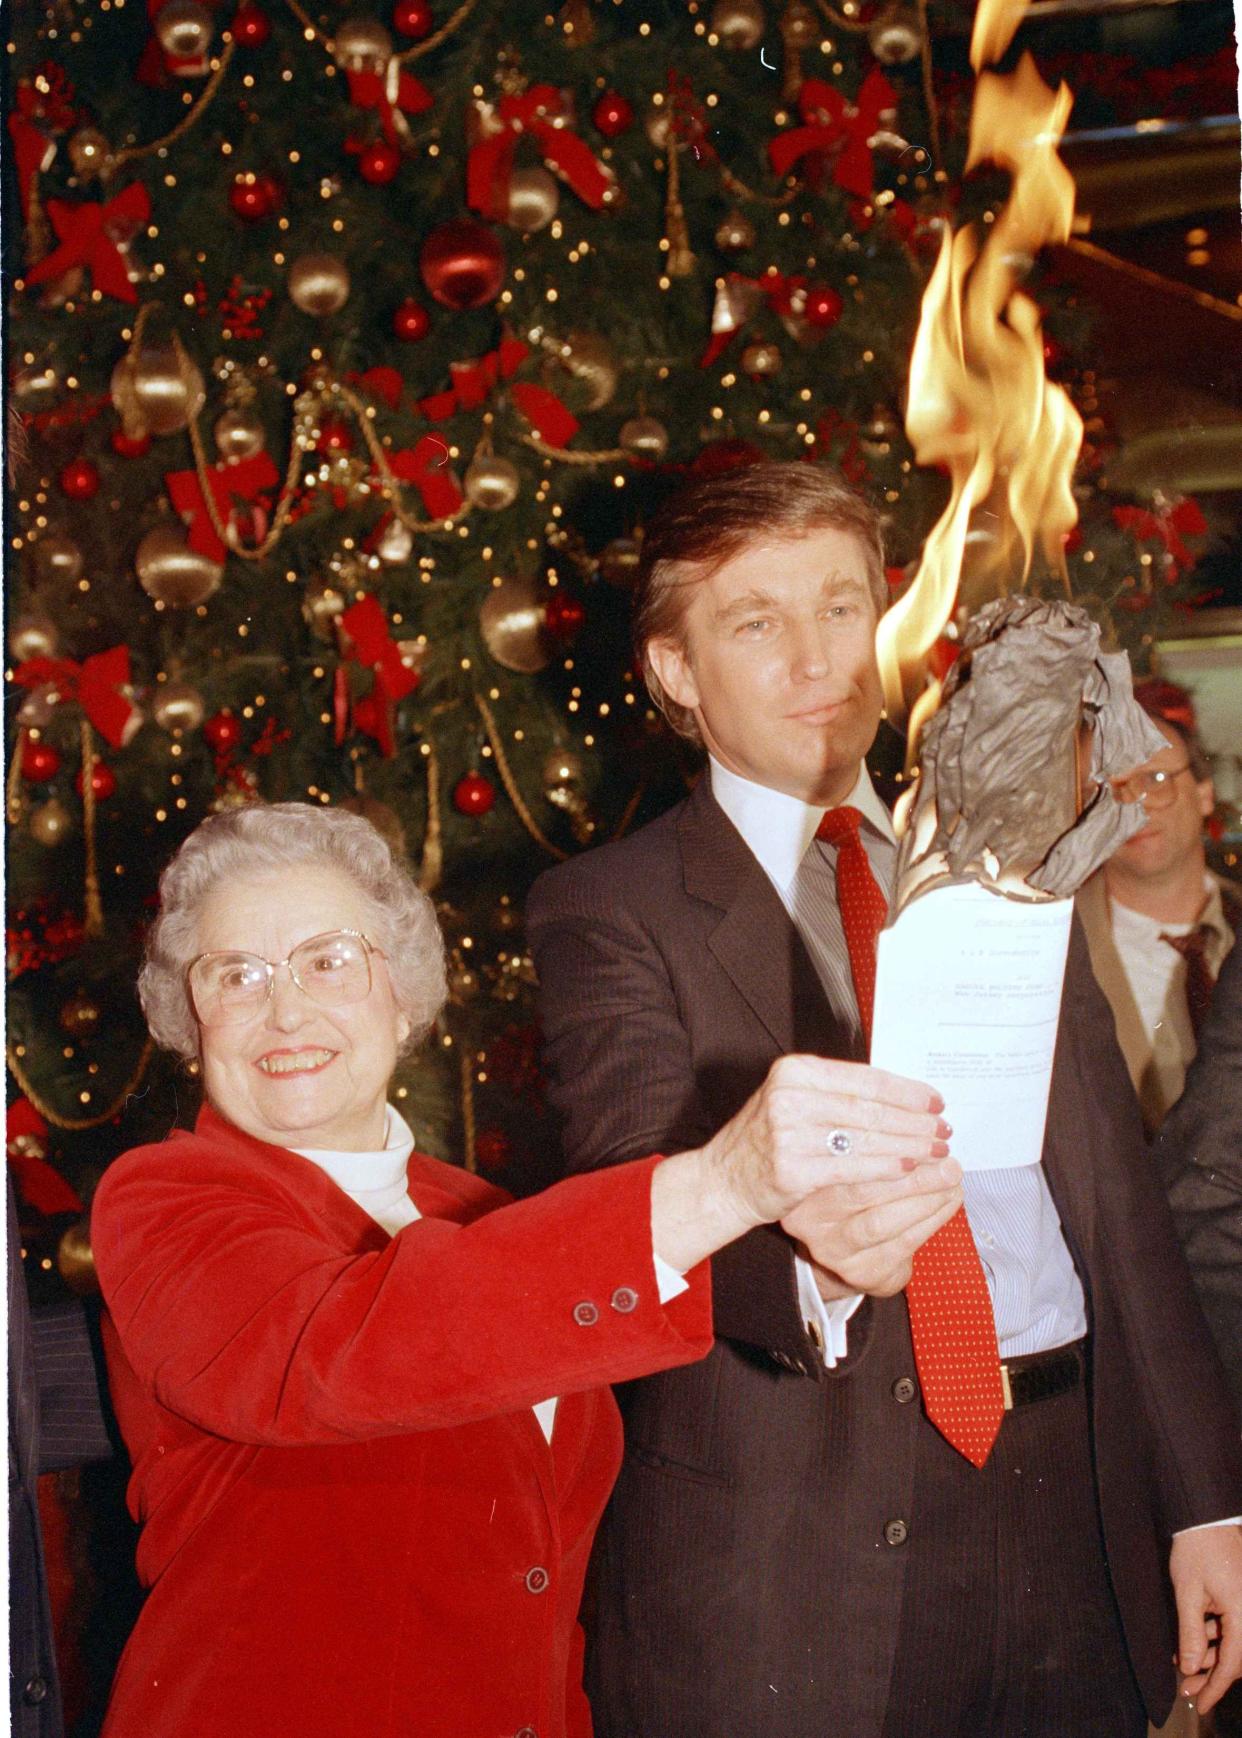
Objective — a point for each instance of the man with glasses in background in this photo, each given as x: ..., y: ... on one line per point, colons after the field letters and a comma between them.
x: 1159, y: 923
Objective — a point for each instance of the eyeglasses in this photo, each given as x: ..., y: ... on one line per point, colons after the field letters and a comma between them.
x: 333, y: 970
x: 1155, y: 790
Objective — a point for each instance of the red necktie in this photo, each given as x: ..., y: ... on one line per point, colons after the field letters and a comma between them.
x: 951, y: 1319
x: 1199, y: 980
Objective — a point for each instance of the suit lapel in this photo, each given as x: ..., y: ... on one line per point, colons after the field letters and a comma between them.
x: 755, y: 941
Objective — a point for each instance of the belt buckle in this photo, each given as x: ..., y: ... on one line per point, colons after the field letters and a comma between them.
x: 1006, y: 1389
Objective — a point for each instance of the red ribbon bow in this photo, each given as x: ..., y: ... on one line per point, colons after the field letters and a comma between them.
x: 393, y: 94
x: 426, y: 466
x: 540, y: 112
x: 366, y: 641
x: 1184, y: 520
x: 39, y: 1184
x: 737, y: 301
x: 89, y: 235
x: 473, y: 381
x: 95, y: 684
x: 383, y: 383
x: 238, y: 480
x: 831, y: 124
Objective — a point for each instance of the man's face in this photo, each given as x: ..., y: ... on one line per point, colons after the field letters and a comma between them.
x: 778, y: 664
x: 1173, y: 836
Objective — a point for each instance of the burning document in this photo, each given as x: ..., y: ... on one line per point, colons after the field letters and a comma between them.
x: 1013, y: 809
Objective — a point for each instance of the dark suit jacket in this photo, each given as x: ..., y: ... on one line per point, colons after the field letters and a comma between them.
x: 1200, y: 1158
x: 744, y: 1581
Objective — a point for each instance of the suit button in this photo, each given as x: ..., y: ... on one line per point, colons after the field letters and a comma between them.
x: 537, y: 1580
x: 896, y: 1532
x: 586, y: 1315
x: 904, y: 1390
x: 624, y: 1300
x: 35, y: 1691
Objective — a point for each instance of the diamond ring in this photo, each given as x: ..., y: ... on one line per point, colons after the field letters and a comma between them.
x: 841, y: 1142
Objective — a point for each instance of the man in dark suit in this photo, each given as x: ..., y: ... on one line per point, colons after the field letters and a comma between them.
x: 793, y: 1548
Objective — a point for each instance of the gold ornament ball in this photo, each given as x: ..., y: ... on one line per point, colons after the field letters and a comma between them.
x: 896, y: 36
x: 592, y: 361
x: 318, y: 283
x: 39, y: 707
x: 761, y: 360
x: 533, y: 200
x: 32, y: 637
x: 79, y: 1016
x: 88, y: 152
x: 184, y: 30
x: 50, y: 822
x: 644, y: 436
x: 34, y: 382
x: 738, y: 23
x: 156, y: 391
x: 322, y: 602
x: 395, y: 543
x: 361, y: 45
x: 735, y: 233
x: 618, y: 562
x: 57, y: 557
x: 177, y: 706
x: 491, y: 482
x: 657, y: 124
x: 512, y: 622
x: 76, y: 1260
x: 239, y: 434
x: 172, y: 573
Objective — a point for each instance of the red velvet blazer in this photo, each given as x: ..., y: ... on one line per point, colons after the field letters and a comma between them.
x: 352, y: 1522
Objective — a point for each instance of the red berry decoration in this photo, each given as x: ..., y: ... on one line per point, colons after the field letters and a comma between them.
x: 412, y: 18
x: 250, y: 27
x: 563, y: 615
x: 40, y: 762
x: 254, y: 196
x: 379, y: 163
x: 223, y: 733
x: 79, y: 480
x: 334, y: 437
x: 130, y: 446
x: 612, y: 115
x: 474, y: 795
x: 103, y: 782
x: 822, y: 307
x: 411, y: 321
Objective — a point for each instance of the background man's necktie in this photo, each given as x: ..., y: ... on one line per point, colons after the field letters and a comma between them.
x: 1199, y: 980
x: 951, y: 1319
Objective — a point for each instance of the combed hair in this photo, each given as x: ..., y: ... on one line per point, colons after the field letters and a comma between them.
x: 262, y: 839
x: 1169, y: 703
x: 707, y: 523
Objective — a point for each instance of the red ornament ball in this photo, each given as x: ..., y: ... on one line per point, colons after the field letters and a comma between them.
x: 492, y: 1149
x: 379, y: 163
x: 411, y: 321
x: 223, y: 732
x: 40, y: 762
x: 462, y: 264
x: 254, y: 196
x: 103, y: 782
x: 79, y: 480
x: 250, y: 27
x: 130, y: 446
x: 334, y: 437
x: 473, y: 794
x: 823, y: 306
x: 412, y: 18
x: 612, y: 115
x: 563, y: 615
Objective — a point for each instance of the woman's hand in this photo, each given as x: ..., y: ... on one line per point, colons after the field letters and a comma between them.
x: 776, y: 1152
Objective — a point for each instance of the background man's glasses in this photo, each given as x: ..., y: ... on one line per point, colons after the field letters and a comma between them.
x: 1155, y: 790
x: 332, y: 970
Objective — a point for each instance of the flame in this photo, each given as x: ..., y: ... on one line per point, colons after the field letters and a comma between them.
x: 979, y: 402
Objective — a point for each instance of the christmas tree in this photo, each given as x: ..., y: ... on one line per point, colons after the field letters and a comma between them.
x: 352, y: 353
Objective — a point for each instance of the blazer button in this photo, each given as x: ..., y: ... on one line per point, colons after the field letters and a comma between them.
x: 896, y: 1532
x: 35, y: 1691
x: 586, y: 1315
x: 904, y: 1390
x: 537, y: 1580
x: 624, y: 1300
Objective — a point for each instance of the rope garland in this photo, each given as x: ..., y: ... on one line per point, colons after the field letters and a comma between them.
x: 130, y: 153
x: 510, y: 783
x: 92, y: 903
x: 77, y: 1124
x: 466, y: 1070
x: 432, y: 865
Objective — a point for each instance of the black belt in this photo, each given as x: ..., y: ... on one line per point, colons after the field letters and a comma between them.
x: 1043, y: 1374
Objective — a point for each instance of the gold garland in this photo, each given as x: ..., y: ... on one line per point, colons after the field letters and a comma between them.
x: 77, y: 1124
x: 432, y: 865
x: 14, y: 802
x: 606, y: 456
x: 414, y: 52
x: 839, y: 19
x: 92, y: 903
x: 226, y: 532
x: 466, y: 1067
x: 510, y: 783
x: 929, y: 89
x: 129, y: 153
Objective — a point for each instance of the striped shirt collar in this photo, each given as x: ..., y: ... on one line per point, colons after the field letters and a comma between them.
x: 778, y: 828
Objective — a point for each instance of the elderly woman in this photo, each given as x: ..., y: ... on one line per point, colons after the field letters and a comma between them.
x: 363, y: 1392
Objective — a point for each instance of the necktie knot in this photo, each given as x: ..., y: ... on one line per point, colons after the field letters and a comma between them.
x: 1192, y: 945
x: 840, y: 826
x: 1200, y: 982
